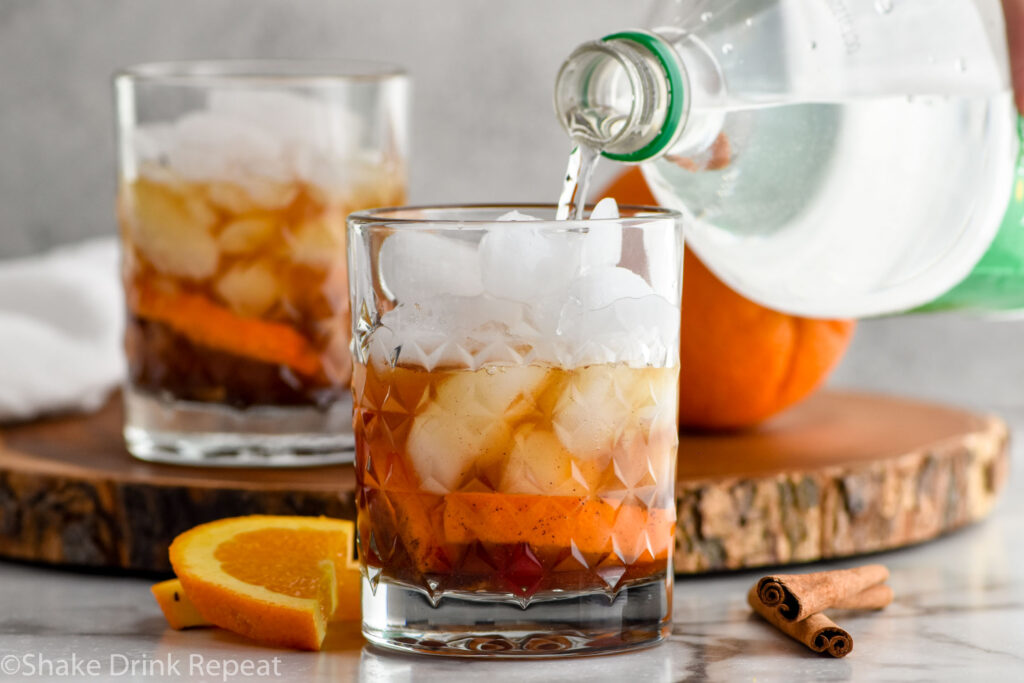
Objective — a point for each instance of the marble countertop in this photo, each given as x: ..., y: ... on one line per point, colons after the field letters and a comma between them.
x: 958, y: 614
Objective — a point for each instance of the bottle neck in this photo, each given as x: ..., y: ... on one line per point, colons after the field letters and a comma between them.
x: 624, y: 95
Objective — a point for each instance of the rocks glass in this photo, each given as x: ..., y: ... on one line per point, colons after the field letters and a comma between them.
x: 515, y: 388
x: 235, y: 181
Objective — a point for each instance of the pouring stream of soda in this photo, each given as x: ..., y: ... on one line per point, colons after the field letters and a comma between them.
x: 582, y: 161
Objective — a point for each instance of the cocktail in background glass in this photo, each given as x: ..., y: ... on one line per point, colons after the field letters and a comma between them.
x: 515, y: 389
x: 235, y: 181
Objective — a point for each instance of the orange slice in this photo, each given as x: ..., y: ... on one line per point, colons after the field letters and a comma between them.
x: 593, y: 526
x: 181, y: 613
x: 177, y: 608
x: 206, y: 323
x: 272, y: 579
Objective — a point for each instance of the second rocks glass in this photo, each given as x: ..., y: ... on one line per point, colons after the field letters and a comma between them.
x: 235, y: 181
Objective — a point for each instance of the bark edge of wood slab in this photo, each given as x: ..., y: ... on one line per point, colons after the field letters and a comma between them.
x: 840, y: 474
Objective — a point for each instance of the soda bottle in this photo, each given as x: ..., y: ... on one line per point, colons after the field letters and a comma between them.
x: 834, y: 158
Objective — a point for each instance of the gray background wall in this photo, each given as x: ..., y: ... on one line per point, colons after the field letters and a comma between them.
x: 482, y: 129
x: 483, y: 126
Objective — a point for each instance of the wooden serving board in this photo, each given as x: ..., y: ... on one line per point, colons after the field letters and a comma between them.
x: 838, y: 475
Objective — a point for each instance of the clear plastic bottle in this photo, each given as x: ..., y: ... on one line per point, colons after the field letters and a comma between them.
x: 833, y: 158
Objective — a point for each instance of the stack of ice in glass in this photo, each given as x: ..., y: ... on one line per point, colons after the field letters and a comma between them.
x: 233, y: 218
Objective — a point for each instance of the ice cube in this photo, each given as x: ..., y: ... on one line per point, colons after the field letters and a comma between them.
x: 318, y: 139
x: 331, y: 172
x: 602, y: 243
x: 270, y: 193
x: 246, y: 234
x: 229, y: 197
x: 603, y: 408
x: 653, y: 326
x: 319, y: 241
x: 602, y: 286
x: 635, y: 331
x: 591, y: 411
x: 205, y: 146
x: 651, y: 313
x: 172, y: 230
x: 246, y: 137
x: 613, y: 316
x: 448, y: 331
x: 659, y: 242
x: 416, y: 266
x: 250, y: 290
x: 538, y: 463
x: 467, y: 427
x: 606, y: 208
x: 524, y: 264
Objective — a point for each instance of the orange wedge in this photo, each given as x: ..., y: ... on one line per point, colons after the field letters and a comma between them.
x: 272, y: 579
x: 177, y: 608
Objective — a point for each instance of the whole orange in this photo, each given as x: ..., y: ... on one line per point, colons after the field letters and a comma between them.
x: 740, y: 363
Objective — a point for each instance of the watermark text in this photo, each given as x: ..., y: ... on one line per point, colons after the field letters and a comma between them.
x: 117, y: 665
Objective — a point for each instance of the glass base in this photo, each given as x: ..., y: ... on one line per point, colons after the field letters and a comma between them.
x: 401, y: 618
x: 212, y: 435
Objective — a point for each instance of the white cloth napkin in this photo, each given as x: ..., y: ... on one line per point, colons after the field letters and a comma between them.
x: 61, y: 321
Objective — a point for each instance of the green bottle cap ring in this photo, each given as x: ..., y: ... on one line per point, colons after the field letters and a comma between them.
x: 664, y: 54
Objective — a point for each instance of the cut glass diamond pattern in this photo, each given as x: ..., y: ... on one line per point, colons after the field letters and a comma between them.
x: 515, y: 479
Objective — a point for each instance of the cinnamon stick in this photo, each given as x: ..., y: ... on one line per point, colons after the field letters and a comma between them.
x: 817, y: 631
x: 875, y: 597
x: 795, y: 597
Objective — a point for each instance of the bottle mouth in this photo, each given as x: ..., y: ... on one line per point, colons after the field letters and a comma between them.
x: 623, y: 95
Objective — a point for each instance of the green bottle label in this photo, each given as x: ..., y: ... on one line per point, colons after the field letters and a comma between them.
x: 997, y: 281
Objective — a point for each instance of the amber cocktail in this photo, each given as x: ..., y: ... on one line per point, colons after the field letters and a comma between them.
x: 515, y: 390
x: 236, y: 179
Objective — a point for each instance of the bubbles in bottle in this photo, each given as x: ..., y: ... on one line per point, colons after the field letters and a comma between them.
x: 727, y: 48
x: 749, y: 22
x: 883, y: 6
x: 706, y: 16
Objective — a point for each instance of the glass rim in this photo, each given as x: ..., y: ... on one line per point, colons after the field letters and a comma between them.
x: 260, y: 71
x: 378, y: 216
